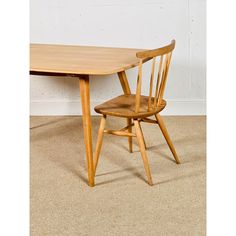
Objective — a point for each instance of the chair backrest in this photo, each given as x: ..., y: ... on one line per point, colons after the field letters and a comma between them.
x: 164, y: 56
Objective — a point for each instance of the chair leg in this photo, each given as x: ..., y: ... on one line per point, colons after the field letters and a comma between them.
x: 142, y: 150
x: 129, y: 122
x: 167, y: 137
x: 142, y: 135
x: 99, y: 142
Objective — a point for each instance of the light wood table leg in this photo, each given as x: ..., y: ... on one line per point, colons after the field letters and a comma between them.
x: 87, y: 126
x: 126, y: 89
x: 124, y: 82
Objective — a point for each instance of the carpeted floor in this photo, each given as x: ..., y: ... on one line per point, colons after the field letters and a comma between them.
x: 121, y: 203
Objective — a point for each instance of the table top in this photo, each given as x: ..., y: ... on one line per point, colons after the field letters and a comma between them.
x: 90, y: 60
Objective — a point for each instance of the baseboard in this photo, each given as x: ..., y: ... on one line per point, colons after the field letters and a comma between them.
x: 62, y: 107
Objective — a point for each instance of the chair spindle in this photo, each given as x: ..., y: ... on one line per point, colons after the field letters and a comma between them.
x: 158, y: 81
x: 151, y: 84
x: 138, y: 89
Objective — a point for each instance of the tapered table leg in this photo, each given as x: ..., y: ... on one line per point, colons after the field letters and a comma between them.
x: 87, y: 125
x: 126, y: 89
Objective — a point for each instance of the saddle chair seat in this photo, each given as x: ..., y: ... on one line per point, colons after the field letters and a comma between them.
x: 124, y: 106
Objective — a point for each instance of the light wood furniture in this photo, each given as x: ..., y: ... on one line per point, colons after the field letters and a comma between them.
x: 80, y: 62
x: 138, y: 108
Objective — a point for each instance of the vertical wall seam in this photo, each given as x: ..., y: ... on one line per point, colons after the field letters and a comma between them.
x: 189, y: 48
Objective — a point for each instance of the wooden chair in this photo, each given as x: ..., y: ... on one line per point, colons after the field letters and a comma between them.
x: 138, y: 108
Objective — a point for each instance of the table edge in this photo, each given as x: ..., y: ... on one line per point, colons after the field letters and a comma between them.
x: 39, y: 71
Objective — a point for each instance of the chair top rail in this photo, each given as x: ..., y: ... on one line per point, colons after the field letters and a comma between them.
x: 156, y: 52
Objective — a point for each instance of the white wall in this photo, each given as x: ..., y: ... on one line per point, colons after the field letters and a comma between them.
x: 122, y: 23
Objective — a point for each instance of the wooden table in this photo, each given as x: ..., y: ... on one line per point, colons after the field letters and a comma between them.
x: 82, y: 61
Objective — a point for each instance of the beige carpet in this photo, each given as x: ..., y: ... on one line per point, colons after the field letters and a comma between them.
x: 121, y: 203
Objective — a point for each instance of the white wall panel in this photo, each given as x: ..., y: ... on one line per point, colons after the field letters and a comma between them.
x: 120, y: 23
